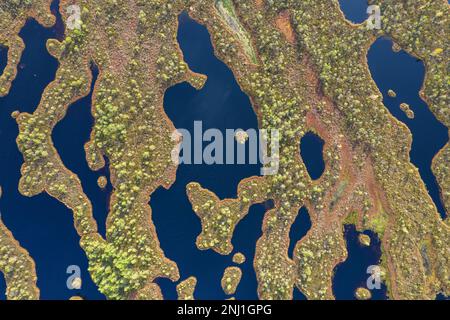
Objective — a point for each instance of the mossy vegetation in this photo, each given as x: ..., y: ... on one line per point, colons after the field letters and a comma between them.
x: 127, y: 105
x: 13, y: 15
x: 315, y: 79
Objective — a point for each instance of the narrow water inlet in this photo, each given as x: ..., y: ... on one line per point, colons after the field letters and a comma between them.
x: 299, y: 229
x: 69, y: 137
x: 353, y: 272
x: 2, y: 287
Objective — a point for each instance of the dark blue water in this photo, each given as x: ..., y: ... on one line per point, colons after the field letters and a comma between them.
x: 69, y: 137
x: 3, y: 58
x: 220, y: 104
x: 298, y: 295
x: 441, y: 296
x: 405, y: 74
x: 354, y: 10
x: 311, y: 151
x: 352, y: 273
x: 41, y: 224
x: 299, y: 229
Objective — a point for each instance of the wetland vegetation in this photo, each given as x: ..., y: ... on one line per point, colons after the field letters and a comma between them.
x: 304, y: 67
